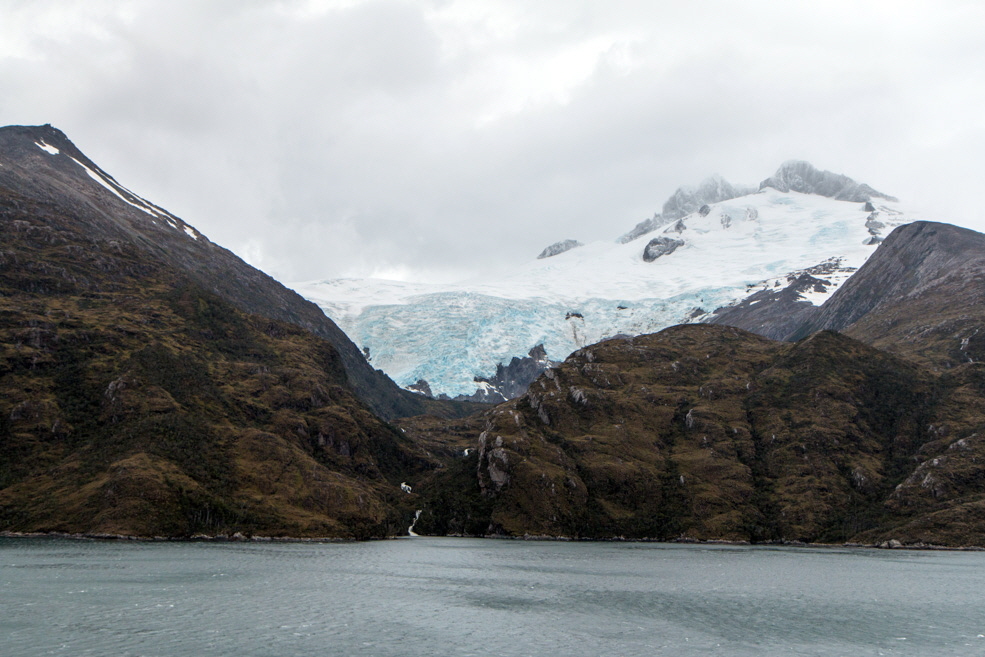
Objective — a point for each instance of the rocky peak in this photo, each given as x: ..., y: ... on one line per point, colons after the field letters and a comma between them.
x: 558, y: 248
x: 422, y: 387
x: 644, y: 227
x: 686, y: 200
x: 803, y: 177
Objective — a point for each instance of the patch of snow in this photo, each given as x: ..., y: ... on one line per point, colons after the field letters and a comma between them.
x: 837, y: 279
x: 105, y: 183
x: 191, y: 232
x: 47, y: 148
x: 139, y: 203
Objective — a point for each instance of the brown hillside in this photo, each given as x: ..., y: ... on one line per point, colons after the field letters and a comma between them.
x: 132, y: 401
x: 704, y: 432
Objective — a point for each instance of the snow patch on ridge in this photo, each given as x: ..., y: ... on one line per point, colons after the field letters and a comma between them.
x: 144, y: 206
x: 107, y: 185
x: 47, y: 148
x: 832, y: 271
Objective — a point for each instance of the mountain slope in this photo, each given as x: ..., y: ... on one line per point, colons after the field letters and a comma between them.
x: 684, y: 201
x: 133, y: 401
x: 706, y: 432
x: 921, y: 295
x: 41, y: 164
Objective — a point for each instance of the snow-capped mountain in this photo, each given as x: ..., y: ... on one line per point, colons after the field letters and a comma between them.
x: 711, y: 246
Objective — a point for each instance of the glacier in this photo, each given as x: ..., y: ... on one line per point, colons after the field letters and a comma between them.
x: 450, y: 334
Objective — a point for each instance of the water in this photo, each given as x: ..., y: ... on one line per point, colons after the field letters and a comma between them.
x: 427, y: 596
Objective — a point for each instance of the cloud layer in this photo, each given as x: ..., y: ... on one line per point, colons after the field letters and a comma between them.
x: 322, y: 139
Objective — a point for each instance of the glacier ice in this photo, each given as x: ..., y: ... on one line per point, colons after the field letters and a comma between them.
x: 451, y: 334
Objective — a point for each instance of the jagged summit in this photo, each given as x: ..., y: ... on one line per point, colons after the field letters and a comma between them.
x: 713, y: 189
x: 684, y: 201
x: 792, y: 176
x: 803, y: 177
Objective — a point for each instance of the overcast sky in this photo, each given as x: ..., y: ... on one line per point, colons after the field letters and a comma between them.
x: 430, y: 138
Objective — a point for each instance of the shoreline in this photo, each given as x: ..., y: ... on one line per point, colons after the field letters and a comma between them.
x: 239, y: 537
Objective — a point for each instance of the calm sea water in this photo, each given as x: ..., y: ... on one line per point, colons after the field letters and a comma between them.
x: 423, y: 596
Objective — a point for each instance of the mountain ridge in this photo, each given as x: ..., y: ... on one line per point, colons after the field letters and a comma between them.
x: 801, y: 176
x: 135, y: 402
x: 921, y: 295
x: 42, y: 163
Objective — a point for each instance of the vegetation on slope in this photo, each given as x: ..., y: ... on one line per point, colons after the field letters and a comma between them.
x: 132, y: 401
x: 138, y: 397
x: 704, y: 432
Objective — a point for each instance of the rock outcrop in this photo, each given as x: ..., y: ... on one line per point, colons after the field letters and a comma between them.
x: 558, y: 248
x: 803, y: 177
x: 684, y: 201
x: 661, y: 246
x: 510, y: 380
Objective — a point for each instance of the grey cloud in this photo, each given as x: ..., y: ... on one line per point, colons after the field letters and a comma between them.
x: 353, y: 139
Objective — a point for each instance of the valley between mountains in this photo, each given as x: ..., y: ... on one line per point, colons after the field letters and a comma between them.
x: 825, y: 385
